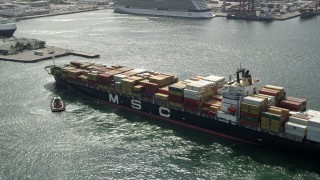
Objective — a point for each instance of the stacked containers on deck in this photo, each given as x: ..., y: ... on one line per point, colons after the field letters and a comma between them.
x: 213, y: 107
x: 196, y: 93
x: 127, y: 86
x: 162, y: 79
x: 65, y: 71
x: 104, y: 81
x: 271, y: 99
x: 137, y: 91
x: 176, y: 93
x: 117, y: 82
x: 294, y: 104
x: 220, y: 81
x: 313, y: 133
x: 297, y: 125
x: 149, y: 90
x: 275, y: 91
x: 251, y: 109
x: 161, y: 98
x: 274, y: 119
x: 73, y: 74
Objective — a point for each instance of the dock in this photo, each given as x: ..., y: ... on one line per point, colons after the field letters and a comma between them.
x: 49, y: 52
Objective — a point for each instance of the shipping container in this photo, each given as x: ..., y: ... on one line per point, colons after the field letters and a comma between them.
x: 249, y: 123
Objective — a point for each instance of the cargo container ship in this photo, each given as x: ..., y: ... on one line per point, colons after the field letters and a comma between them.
x: 236, y: 109
x: 170, y: 8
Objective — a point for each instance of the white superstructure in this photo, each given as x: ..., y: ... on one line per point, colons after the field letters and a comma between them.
x: 7, y: 27
x: 170, y: 8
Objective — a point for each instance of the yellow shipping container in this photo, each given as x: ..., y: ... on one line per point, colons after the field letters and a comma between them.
x: 161, y: 96
x: 215, y: 108
x: 261, y: 96
x: 281, y: 111
x: 92, y: 76
x: 250, y: 107
x: 136, y: 78
x: 265, y: 121
x: 138, y: 88
x: 246, y: 110
x: 266, y: 127
x: 275, y: 111
x: 276, y: 129
x: 176, y: 105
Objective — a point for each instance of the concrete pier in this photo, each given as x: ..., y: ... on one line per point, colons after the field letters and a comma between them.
x: 49, y: 52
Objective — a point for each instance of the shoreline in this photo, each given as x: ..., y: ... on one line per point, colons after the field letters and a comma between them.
x: 28, y: 56
x: 62, y: 13
x: 217, y: 14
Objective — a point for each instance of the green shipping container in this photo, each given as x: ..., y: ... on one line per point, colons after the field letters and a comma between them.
x: 271, y: 116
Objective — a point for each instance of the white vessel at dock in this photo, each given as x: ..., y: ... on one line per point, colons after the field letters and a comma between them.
x: 177, y: 8
x: 7, y: 27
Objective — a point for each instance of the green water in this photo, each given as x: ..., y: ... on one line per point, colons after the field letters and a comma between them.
x: 93, y: 141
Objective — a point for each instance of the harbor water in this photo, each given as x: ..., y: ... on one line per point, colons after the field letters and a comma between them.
x: 94, y: 141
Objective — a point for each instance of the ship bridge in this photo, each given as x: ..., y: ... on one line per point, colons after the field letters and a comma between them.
x: 244, y: 85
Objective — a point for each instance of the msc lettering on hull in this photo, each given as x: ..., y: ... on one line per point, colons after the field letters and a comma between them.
x: 114, y: 99
x: 136, y: 104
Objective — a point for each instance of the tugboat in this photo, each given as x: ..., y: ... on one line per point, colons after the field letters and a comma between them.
x: 57, y: 104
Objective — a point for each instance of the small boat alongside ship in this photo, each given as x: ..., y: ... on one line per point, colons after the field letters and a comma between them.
x: 237, y: 109
x: 57, y: 104
x: 7, y: 27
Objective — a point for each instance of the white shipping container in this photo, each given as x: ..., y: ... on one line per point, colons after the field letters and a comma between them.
x: 298, y: 120
x: 118, y: 77
x: 311, y: 128
x: 297, y: 133
x: 313, y: 113
x: 218, y: 79
x: 313, y: 133
x: 192, y: 97
x: 230, y: 101
x: 187, y: 81
x: 315, y: 122
x: 312, y: 138
x: 271, y: 99
x: 296, y: 127
x: 195, y: 86
x: 253, y: 100
x: 192, y: 92
x: 200, y: 85
x: 138, y: 71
